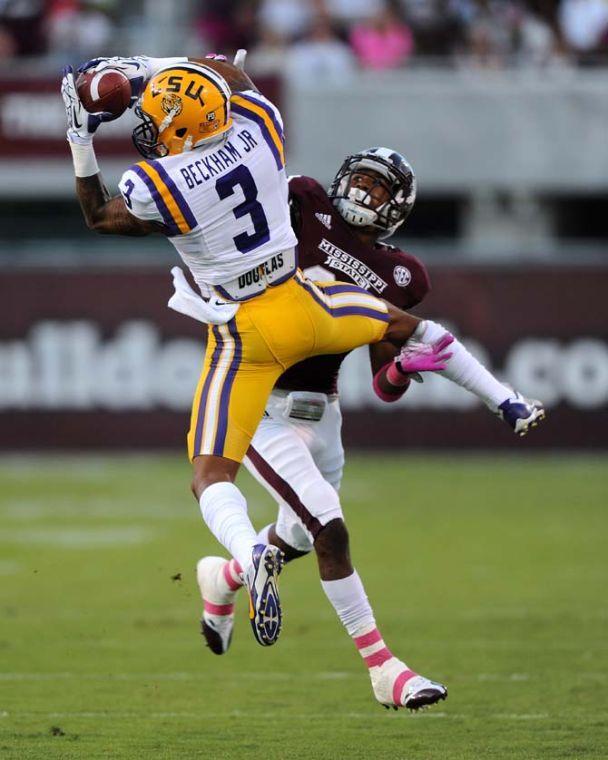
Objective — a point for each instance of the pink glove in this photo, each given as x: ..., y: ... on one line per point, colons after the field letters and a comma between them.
x: 420, y: 357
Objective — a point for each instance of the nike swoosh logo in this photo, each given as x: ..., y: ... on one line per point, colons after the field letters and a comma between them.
x: 76, y: 123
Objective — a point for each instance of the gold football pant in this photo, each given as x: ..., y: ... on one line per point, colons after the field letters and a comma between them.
x: 270, y: 333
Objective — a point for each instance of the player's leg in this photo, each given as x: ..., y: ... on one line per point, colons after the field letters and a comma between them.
x: 346, y: 593
x: 244, y: 359
x: 465, y: 370
x: 394, y: 683
x: 219, y: 579
x: 281, y: 461
x: 237, y: 377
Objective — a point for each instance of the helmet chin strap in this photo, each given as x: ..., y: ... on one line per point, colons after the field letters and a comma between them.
x: 353, y: 211
x: 166, y: 122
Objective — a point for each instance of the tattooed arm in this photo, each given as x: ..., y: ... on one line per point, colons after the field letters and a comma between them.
x: 102, y: 213
x: 109, y: 215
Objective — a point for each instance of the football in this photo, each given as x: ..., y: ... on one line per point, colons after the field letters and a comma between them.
x: 108, y: 91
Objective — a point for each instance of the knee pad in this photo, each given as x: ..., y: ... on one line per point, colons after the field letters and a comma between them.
x: 294, y: 534
x: 322, y: 501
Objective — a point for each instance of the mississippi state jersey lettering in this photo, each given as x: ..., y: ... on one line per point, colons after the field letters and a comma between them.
x: 224, y: 207
x: 329, y: 250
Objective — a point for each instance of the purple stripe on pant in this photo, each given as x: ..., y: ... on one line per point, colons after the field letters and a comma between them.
x: 342, y: 288
x: 344, y: 311
x: 200, y: 420
x: 222, y: 421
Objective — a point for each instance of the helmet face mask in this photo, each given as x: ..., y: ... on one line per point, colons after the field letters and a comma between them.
x: 181, y: 108
x: 145, y: 137
x: 360, y: 203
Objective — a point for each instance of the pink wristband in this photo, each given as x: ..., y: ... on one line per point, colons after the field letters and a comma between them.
x: 400, y: 387
x: 395, y: 376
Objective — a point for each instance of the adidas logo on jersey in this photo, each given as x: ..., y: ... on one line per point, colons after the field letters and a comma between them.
x: 325, y: 219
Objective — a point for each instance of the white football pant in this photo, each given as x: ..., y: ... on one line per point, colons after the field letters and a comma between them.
x: 300, y: 463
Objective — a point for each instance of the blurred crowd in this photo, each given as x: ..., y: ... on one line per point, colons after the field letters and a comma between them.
x: 328, y: 38
x: 32, y: 28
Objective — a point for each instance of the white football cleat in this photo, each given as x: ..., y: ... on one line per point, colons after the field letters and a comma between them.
x: 217, y: 620
x: 395, y: 685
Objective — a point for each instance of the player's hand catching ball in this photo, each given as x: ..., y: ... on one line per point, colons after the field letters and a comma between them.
x: 81, y: 124
x: 138, y: 69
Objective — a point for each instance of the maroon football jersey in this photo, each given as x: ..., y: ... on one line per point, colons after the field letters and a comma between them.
x: 329, y: 250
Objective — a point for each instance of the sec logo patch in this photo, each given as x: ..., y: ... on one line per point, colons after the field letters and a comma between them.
x: 402, y: 276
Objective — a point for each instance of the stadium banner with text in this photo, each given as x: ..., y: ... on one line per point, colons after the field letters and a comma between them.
x: 23, y: 132
x: 93, y: 358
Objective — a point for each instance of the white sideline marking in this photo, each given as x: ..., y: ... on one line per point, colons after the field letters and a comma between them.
x: 248, y: 675
x: 120, y: 715
x: 522, y: 716
x: 334, y: 676
x: 178, y: 676
x: 71, y: 538
x: 503, y: 677
x: 123, y: 715
x: 85, y: 509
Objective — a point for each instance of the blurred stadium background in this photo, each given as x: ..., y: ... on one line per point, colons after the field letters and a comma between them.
x: 502, y: 108
x: 500, y: 105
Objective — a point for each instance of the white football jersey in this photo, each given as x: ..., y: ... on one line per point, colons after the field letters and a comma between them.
x: 223, y: 206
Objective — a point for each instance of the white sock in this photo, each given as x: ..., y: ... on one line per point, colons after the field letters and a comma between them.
x: 262, y: 537
x: 464, y: 369
x: 349, y: 600
x: 354, y: 610
x: 224, y: 509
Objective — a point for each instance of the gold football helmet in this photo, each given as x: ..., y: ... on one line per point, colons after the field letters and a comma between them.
x: 181, y: 108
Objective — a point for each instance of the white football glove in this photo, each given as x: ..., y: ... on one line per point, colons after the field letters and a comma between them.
x: 81, y: 124
x: 187, y: 301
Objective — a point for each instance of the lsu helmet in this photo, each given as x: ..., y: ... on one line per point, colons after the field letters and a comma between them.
x: 182, y: 107
x: 354, y: 204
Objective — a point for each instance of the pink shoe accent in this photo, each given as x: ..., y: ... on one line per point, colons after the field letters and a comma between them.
x: 400, y: 682
x: 229, y: 578
x: 373, y: 637
x: 219, y: 609
x: 378, y: 658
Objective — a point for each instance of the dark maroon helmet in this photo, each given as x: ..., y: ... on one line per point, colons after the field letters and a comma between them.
x: 353, y: 204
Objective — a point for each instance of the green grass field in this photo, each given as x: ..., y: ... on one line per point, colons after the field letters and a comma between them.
x: 489, y: 574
